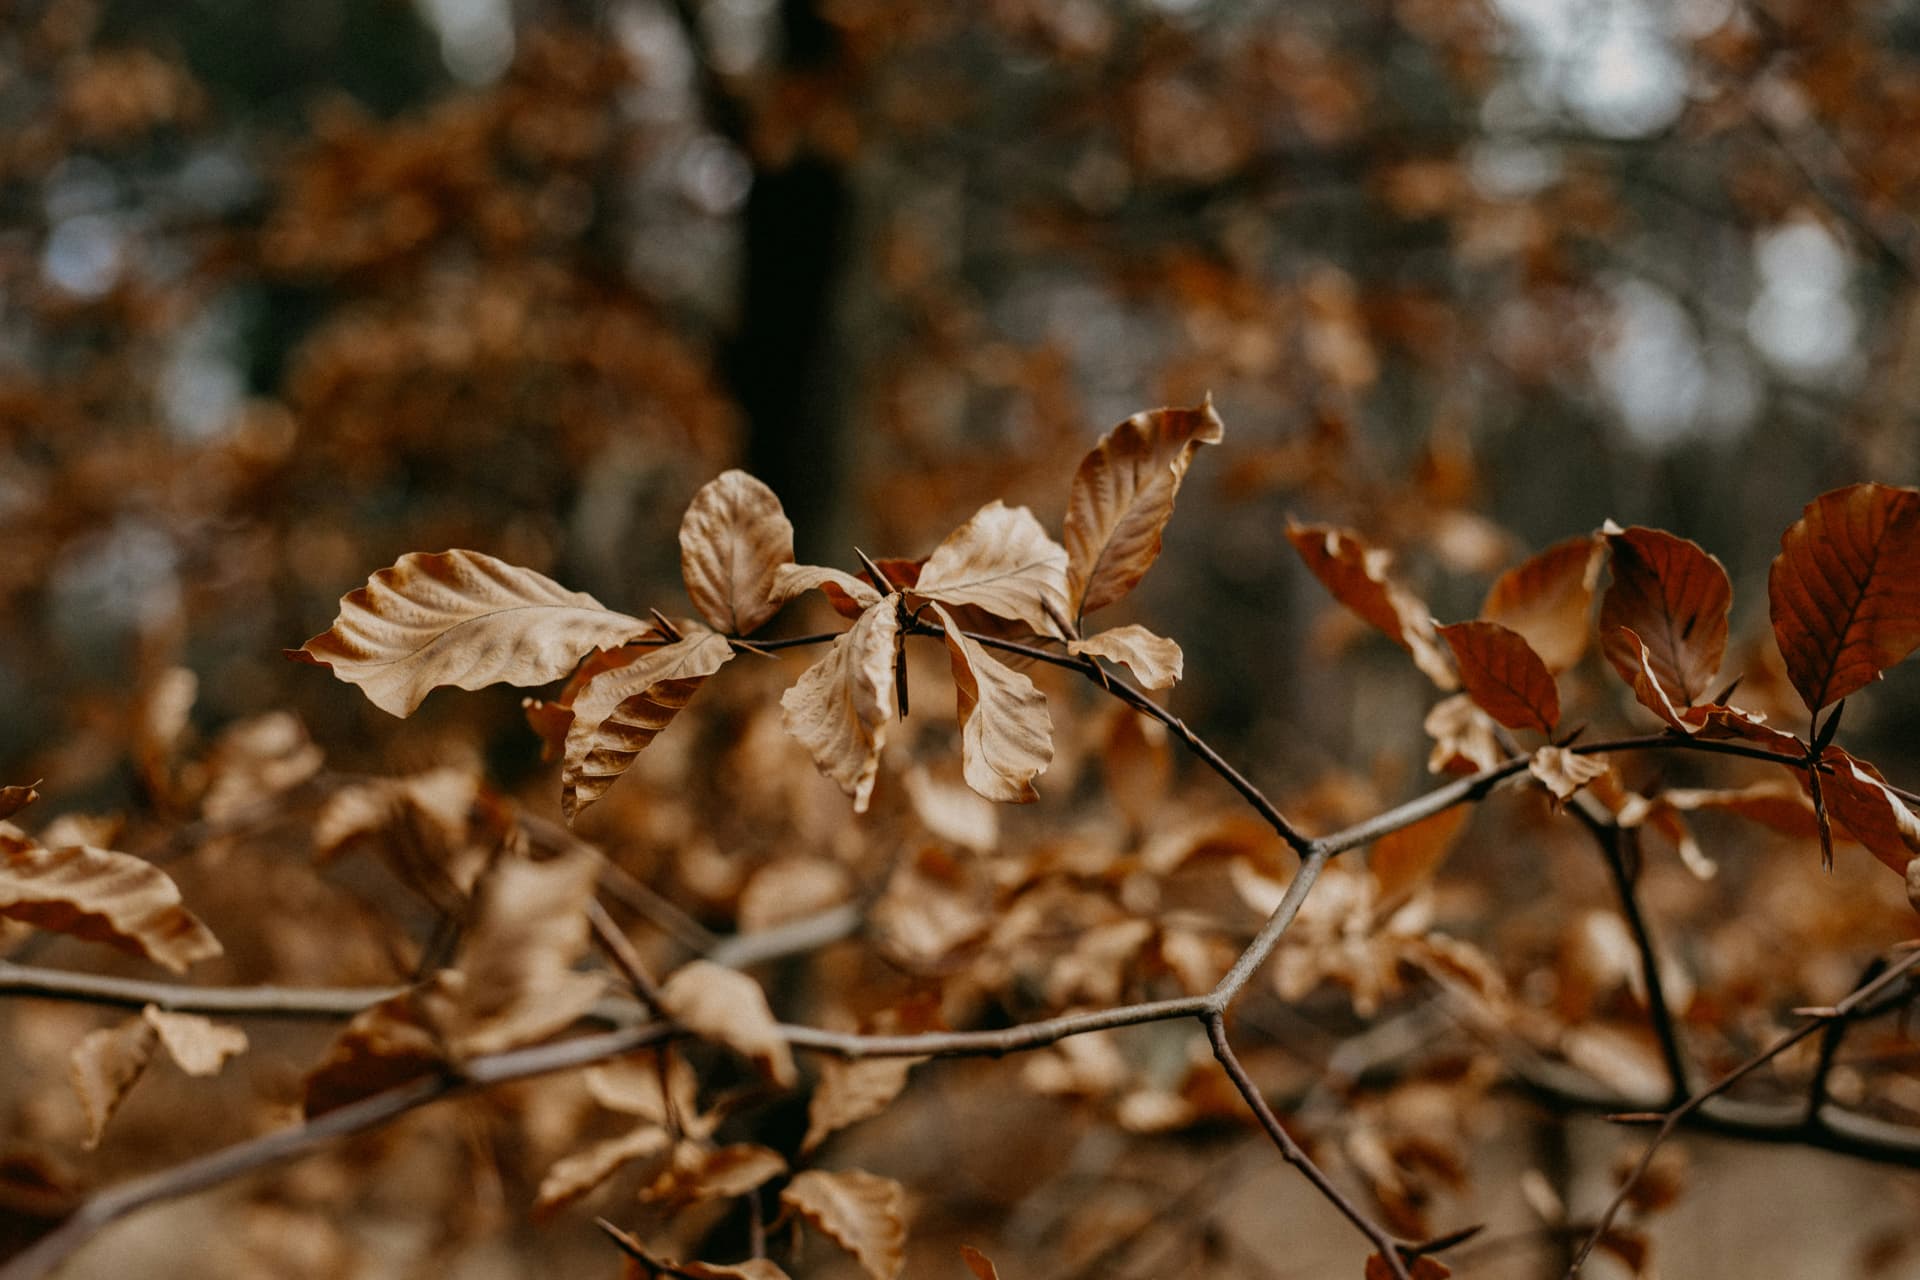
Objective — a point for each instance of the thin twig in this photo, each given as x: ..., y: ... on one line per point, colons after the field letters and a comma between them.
x: 625, y: 957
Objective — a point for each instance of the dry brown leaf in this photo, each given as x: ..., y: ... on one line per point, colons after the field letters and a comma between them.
x: 1122, y: 497
x: 978, y: 1263
x: 256, y: 760
x: 1357, y: 576
x: 198, y: 1046
x: 789, y: 888
x: 1672, y: 598
x: 1844, y: 592
x: 107, y: 1064
x: 842, y: 706
x: 1503, y: 675
x: 1006, y: 733
x: 618, y: 712
x: 1156, y: 662
x: 1401, y: 860
x: 1001, y: 560
x: 552, y: 718
x: 952, y: 812
x: 862, y: 1212
x: 1564, y: 772
x: 698, y: 1172
x: 1859, y: 799
x: 733, y: 541
x: 14, y: 799
x: 726, y: 1006
x: 464, y: 619
x: 1548, y: 598
x: 1779, y: 805
x: 418, y: 825
x: 850, y: 1092
x: 1465, y: 740
x: 101, y: 896
x: 633, y: 1086
x: 753, y: 1269
x: 797, y: 579
x: 384, y: 1046
x: 575, y: 1175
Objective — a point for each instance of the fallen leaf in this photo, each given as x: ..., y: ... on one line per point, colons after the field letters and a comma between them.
x: 1155, y: 661
x: 1564, y: 772
x: 1006, y: 733
x: 101, y: 896
x: 733, y: 541
x: 726, y: 1006
x: 464, y: 619
x: 1673, y: 599
x: 1844, y: 592
x: 198, y: 1046
x: 850, y: 1092
x: 1122, y: 497
x: 621, y: 710
x: 105, y: 1065
x: 1403, y: 859
x: 1503, y: 676
x: 1001, y: 560
x: 575, y: 1175
x: 1548, y: 598
x: 1357, y: 576
x: 842, y: 706
x: 863, y: 1213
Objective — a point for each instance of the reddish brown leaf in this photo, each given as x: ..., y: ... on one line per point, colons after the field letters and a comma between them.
x: 460, y: 618
x: 618, y: 712
x: 1006, y: 733
x: 1639, y: 673
x: 863, y: 1213
x: 101, y: 896
x: 1503, y: 675
x: 1548, y: 599
x: 1673, y: 597
x: 552, y: 718
x: 384, y: 1046
x: 14, y: 799
x: 1155, y: 660
x: 733, y: 542
x: 1844, y: 592
x: 1859, y: 799
x: 728, y: 1007
x: 978, y: 1263
x: 1422, y: 1268
x: 1001, y: 560
x: 1400, y: 860
x: 1122, y: 497
x: 1357, y: 575
x: 843, y: 705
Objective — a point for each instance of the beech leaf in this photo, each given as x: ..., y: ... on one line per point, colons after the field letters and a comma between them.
x: 752, y: 1269
x: 575, y: 1175
x: 1503, y: 675
x: 14, y: 799
x: 101, y: 896
x: 733, y: 541
x: 464, y: 619
x: 1844, y: 592
x: 1156, y: 662
x: 844, y: 589
x: 724, y: 1005
x: 1122, y: 497
x: 1356, y: 574
x: 383, y: 1046
x: 1001, y: 560
x: 618, y: 712
x: 978, y: 1263
x: 842, y: 706
x: 198, y: 1046
x: 1547, y: 598
x: 862, y: 1212
x: 1858, y: 797
x: 1672, y: 598
x: 850, y: 1092
x: 105, y: 1066
x: 1403, y: 859
x: 1564, y: 772
x: 1006, y: 733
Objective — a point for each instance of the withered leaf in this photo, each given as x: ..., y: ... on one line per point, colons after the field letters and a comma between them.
x: 1465, y: 740
x: 1547, y: 598
x: 733, y: 541
x: 464, y: 619
x: 1155, y: 661
x: 1564, y: 772
x: 1001, y: 560
x: 699, y: 1172
x: 552, y: 718
x: 726, y: 1006
x: 1401, y: 860
x: 1780, y: 805
x: 843, y: 589
x: 1122, y: 497
x: 1859, y: 799
x: 753, y: 1269
x: 842, y: 706
x: 633, y: 1086
x: 384, y: 1046
x: 862, y: 1212
x: 619, y: 711
x: 1673, y: 599
x: 1844, y: 592
x: 1006, y: 733
x: 14, y: 799
x: 978, y: 1263
x: 198, y: 1046
x: 101, y: 896
x: 1503, y: 675
x: 1357, y: 576
x: 850, y: 1092
x: 105, y: 1065
x: 575, y: 1175
x: 418, y: 825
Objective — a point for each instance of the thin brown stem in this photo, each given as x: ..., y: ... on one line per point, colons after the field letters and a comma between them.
x: 625, y: 956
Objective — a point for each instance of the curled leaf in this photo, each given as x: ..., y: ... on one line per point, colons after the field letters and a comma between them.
x: 1547, y: 598
x: 1465, y: 739
x: 1122, y: 497
x: 1673, y: 599
x: 464, y: 619
x: 862, y: 1212
x: 733, y: 542
x: 842, y: 706
x: 620, y: 710
x: 1155, y: 660
x: 1503, y: 675
x: 849, y: 594
x: 1006, y: 734
x: 1001, y: 560
x: 198, y: 1046
x: 105, y: 1065
x: 1844, y: 592
x: 1357, y: 576
x: 14, y: 799
x: 101, y: 896
x: 1564, y: 772
x: 729, y: 1007
x: 1859, y: 799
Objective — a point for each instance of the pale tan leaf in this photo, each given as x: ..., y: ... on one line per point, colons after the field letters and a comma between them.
x: 862, y: 1212
x: 256, y: 760
x: 633, y: 1086
x: 698, y: 1172
x: 384, y: 1046
x: 1627, y: 1063
x: 850, y: 1092
x: 978, y: 1263
x: 789, y: 888
x: 464, y: 619
x: 1001, y: 560
x: 14, y: 799
x: 621, y: 710
x: 1155, y: 661
x: 105, y: 1065
x: 1122, y: 497
x: 1006, y: 733
x: 797, y: 579
x: 733, y: 541
x: 418, y: 825
x: 101, y: 896
x: 513, y: 980
x: 952, y: 812
x: 1358, y: 576
x: 723, y: 1005
x: 199, y: 1046
x: 841, y: 707
x: 551, y: 718
x: 1548, y: 598
x: 1465, y: 739
x: 575, y: 1175
x: 1564, y: 772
